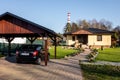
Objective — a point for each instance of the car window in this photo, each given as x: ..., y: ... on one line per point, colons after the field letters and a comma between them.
x: 38, y: 48
x: 24, y: 47
x: 30, y: 47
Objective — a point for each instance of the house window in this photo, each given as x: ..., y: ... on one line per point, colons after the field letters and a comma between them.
x: 73, y: 38
x: 99, y: 37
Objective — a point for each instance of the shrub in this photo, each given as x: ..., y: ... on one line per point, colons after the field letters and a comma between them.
x: 92, y: 55
x: 102, y: 69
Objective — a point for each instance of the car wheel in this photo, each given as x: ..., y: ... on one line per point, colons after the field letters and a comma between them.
x: 38, y: 61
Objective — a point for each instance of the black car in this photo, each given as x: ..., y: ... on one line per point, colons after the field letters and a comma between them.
x: 30, y: 53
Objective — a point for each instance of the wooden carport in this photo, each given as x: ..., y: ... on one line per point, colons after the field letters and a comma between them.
x: 12, y: 26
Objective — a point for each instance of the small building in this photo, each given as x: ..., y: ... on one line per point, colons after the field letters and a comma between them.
x: 89, y: 37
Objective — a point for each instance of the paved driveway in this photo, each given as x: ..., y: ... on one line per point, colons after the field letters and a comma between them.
x: 62, y: 69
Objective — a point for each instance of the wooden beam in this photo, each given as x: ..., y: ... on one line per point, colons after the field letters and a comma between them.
x: 52, y: 37
x: 31, y: 39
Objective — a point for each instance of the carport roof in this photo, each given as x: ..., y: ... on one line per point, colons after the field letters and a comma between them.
x: 36, y: 27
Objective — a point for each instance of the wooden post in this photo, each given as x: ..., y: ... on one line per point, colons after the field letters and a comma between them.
x: 46, y: 52
x: 9, y: 48
x: 9, y: 39
x: 31, y: 39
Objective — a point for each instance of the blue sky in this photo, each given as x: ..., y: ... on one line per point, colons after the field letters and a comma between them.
x: 53, y: 13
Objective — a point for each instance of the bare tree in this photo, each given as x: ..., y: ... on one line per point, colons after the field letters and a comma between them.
x: 74, y: 27
x: 117, y: 33
x: 94, y: 23
x: 80, y: 24
x: 83, y: 24
x: 117, y: 29
x: 107, y: 25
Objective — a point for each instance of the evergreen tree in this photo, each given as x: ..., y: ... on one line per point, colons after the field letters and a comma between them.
x: 67, y: 28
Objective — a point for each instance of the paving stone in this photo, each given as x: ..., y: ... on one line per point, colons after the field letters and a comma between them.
x: 57, y: 69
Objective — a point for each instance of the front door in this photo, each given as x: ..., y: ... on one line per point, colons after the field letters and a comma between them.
x: 83, y: 38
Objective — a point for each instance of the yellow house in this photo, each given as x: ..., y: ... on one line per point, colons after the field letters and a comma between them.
x: 89, y: 37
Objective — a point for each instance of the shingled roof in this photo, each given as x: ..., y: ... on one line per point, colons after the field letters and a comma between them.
x: 97, y: 31
x: 89, y: 31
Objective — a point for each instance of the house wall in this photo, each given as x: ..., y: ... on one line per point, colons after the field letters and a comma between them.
x: 106, y: 41
x: 69, y: 40
x: 92, y: 41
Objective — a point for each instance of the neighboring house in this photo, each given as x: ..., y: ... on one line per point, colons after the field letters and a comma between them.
x: 89, y: 37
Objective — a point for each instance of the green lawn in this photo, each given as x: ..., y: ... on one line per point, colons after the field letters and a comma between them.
x: 61, y: 52
x: 110, y: 54
x: 100, y: 72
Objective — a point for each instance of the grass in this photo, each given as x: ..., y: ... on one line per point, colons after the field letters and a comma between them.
x: 61, y: 53
x: 110, y: 54
x: 100, y: 72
